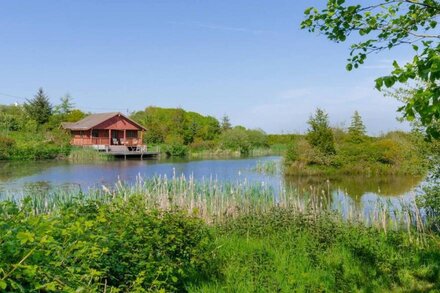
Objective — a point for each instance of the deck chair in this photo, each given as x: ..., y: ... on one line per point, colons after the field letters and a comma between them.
x: 115, y: 141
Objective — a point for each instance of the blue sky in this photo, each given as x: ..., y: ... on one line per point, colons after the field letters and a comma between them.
x: 246, y: 59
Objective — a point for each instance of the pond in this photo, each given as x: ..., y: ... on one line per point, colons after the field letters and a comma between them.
x: 19, y: 179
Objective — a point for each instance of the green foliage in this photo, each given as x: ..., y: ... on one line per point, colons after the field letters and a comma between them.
x: 6, y: 147
x: 278, y: 139
x: 33, y: 141
x: 187, y: 126
x: 39, y: 108
x: 119, y: 241
x: 88, y: 155
x: 430, y: 201
x: 96, y: 246
x: 243, y: 140
x: 383, y: 25
x: 395, y: 153
x: 282, y: 251
x: 176, y: 150
x: 225, y: 124
x: 357, y: 130
x: 320, y: 134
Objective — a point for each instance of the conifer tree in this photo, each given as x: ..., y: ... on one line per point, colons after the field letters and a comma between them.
x: 39, y: 108
x: 357, y: 130
x: 320, y: 135
x: 225, y: 124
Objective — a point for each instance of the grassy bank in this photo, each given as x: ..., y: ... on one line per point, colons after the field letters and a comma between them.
x: 180, y: 235
x: 87, y: 155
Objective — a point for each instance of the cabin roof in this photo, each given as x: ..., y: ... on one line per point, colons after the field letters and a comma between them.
x: 95, y: 119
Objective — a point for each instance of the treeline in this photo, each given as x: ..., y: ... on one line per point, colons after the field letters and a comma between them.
x: 183, y: 131
x: 31, y: 131
x: 327, y: 150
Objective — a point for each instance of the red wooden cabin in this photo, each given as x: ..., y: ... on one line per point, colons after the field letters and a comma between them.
x: 105, y: 130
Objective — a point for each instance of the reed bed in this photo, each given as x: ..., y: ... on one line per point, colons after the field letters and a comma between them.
x: 215, y: 201
x: 268, y: 167
x: 87, y: 154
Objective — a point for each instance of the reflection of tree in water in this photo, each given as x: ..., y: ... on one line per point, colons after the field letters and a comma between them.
x: 13, y: 170
x: 352, y: 186
x: 40, y: 191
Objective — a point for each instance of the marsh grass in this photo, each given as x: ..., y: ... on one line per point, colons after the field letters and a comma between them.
x: 216, y: 202
x: 267, y: 167
x: 86, y: 154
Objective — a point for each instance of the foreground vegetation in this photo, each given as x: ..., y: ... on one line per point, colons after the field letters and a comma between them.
x: 180, y: 235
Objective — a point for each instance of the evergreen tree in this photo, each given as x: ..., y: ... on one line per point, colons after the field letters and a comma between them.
x: 225, y: 124
x: 357, y: 128
x: 320, y: 135
x: 66, y: 105
x: 39, y: 108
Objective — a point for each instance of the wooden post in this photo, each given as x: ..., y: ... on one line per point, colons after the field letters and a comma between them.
x: 109, y: 137
x: 142, y: 136
x: 125, y: 136
x: 91, y: 136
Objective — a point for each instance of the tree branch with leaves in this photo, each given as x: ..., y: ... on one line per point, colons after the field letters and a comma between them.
x: 385, y: 25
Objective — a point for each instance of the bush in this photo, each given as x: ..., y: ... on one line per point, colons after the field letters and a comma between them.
x: 87, y: 247
x: 176, y: 150
x: 6, y: 147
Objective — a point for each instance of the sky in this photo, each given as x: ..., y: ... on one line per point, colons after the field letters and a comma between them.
x: 246, y: 59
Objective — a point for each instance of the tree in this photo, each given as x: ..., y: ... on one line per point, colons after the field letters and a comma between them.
x: 357, y: 129
x: 225, y: 124
x: 320, y: 134
x: 66, y: 105
x: 383, y: 25
x: 236, y: 138
x: 39, y: 108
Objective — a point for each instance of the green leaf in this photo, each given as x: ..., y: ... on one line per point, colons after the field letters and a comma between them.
x: 25, y: 237
x: 3, y: 285
x: 349, y: 67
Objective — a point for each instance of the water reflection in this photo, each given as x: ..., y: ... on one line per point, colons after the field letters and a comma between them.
x: 357, y: 186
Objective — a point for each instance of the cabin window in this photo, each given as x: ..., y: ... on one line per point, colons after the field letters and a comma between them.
x: 131, y: 133
x: 95, y: 133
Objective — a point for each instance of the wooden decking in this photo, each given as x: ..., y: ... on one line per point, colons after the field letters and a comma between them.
x: 128, y: 151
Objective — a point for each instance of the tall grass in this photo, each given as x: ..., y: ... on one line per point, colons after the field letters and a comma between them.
x: 86, y: 154
x: 216, y: 201
x: 267, y: 167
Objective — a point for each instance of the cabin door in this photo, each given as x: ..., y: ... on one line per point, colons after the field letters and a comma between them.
x: 116, y: 137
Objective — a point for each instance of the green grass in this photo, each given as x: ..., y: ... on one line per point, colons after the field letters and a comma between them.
x: 281, y: 251
x: 267, y: 167
x: 85, y: 155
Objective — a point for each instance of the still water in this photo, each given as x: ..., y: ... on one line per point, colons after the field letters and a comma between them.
x: 18, y: 179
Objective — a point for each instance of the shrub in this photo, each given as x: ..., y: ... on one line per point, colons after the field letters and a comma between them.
x: 320, y: 134
x: 90, y: 246
x: 176, y: 150
x: 6, y: 146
